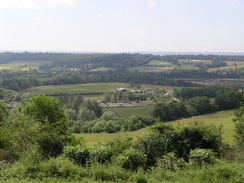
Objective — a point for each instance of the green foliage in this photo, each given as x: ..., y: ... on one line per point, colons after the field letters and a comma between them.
x: 158, y: 143
x: 43, y: 109
x: 199, y: 157
x: 108, y: 115
x: 53, y: 133
x: 239, y: 126
x: 228, y: 98
x: 132, y: 123
x: 71, y: 114
x: 169, y: 111
x: 119, y: 145
x: 201, y: 105
x: 101, y: 154
x: 132, y: 159
x: 198, y: 135
x: 170, y: 162
x: 5, y: 138
x: 86, y: 114
x: 92, y: 105
x: 181, y: 141
x: 25, y: 132
x: 80, y: 156
x: 83, y: 156
x: 3, y: 111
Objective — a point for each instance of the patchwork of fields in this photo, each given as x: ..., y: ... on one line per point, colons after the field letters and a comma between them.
x: 24, y: 65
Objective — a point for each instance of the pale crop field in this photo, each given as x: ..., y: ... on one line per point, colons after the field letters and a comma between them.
x: 160, y: 63
x: 24, y: 65
x: 226, y: 68
x: 101, y: 69
x: 151, y: 69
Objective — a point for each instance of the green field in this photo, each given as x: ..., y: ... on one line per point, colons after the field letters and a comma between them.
x: 223, y: 118
x: 129, y: 111
x: 225, y: 68
x: 101, y: 69
x: 96, y: 138
x: 88, y: 88
x: 187, y: 67
x: 24, y: 65
x: 150, y: 69
x: 195, y: 61
x: 159, y: 63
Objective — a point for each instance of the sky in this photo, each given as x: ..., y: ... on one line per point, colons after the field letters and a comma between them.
x: 122, y: 25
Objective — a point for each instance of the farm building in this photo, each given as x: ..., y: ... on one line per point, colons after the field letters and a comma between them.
x: 120, y: 89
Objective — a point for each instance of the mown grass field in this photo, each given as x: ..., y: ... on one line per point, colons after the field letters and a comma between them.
x: 187, y: 67
x: 101, y: 69
x: 24, y: 65
x: 97, y: 138
x: 151, y: 69
x: 159, y: 63
x: 222, y: 118
x: 88, y: 88
x: 195, y: 61
x: 129, y: 111
x: 226, y: 68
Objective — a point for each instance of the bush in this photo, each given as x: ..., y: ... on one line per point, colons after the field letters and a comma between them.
x: 132, y: 159
x: 201, y: 157
x: 100, y: 154
x: 170, y: 162
x: 80, y: 156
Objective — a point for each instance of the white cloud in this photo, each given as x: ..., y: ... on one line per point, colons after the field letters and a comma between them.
x: 151, y: 3
x: 35, y: 4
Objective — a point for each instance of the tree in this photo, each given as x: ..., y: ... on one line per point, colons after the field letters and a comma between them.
x: 53, y: 134
x: 3, y: 111
x: 92, y: 105
x: 239, y: 126
x: 200, y: 105
x: 228, y: 98
x: 85, y: 114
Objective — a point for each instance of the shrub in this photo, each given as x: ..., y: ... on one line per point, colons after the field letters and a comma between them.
x: 239, y: 126
x: 170, y: 162
x: 202, y: 156
x: 100, y: 154
x: 79, y: 156
x: 132, y: 159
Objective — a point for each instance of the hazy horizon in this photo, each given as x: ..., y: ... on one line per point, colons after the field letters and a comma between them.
x: 122, y: 26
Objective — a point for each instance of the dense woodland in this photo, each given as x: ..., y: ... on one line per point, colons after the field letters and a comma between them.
x: 38, y: 139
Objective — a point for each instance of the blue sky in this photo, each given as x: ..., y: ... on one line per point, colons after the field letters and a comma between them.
x: 122, y: 25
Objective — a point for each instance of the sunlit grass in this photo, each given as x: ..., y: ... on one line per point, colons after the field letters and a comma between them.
x: 88, y: 88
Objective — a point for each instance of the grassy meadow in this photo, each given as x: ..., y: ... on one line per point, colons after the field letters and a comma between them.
x: 195, y: 61
x: 159, y: 63
x: 221, y: 118
x: 88, y: 88
x: 24, y: 65
x: 129, y: 111
x: 226, y: 68
x: 101, y: 69
x: 151, y: 69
